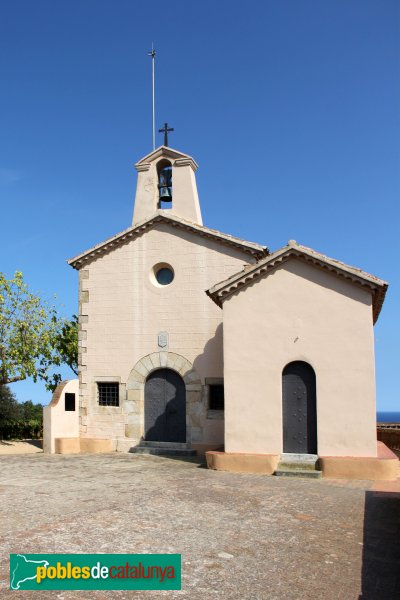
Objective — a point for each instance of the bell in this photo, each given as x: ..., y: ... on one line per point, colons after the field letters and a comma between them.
x: 165, y: 184
x: 166, y: 194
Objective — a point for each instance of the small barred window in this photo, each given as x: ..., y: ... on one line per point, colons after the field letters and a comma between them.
x: 108, y: 394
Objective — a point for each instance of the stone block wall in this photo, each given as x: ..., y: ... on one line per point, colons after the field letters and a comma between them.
x: 121, y: 313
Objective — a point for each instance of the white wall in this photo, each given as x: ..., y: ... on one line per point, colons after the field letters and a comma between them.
x: 122, y: 312
x: 58, y: 423
x: 300, y: 312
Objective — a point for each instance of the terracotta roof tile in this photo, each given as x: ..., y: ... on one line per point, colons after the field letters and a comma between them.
x: 264, y: 266
x: 160, y: 216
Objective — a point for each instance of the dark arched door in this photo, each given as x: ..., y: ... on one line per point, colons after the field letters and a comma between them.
x: 299, y: 408
x: 165, y: 407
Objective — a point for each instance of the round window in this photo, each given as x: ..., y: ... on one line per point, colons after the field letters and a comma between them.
x: 164, y: 275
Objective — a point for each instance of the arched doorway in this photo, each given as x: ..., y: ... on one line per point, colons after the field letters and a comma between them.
x: 299, y: 408
x: 165, y: 407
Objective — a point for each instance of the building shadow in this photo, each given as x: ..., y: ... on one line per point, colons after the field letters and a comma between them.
x: 381, y: 550
x: 38, y: 443
x: 34, y: 442
x: 212, y: 354
x: 160, y: 432
x: 170, y: 425
x: 200, y: 461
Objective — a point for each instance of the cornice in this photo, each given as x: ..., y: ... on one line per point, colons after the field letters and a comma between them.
x: 180, y: 159
x: 184, y: 162
x: 142, y: 167
x: 77, y: 262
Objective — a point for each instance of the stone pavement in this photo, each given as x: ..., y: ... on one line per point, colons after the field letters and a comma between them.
x: 241, y: 536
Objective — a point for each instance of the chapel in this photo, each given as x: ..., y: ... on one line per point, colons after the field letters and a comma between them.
x: 196, y: 341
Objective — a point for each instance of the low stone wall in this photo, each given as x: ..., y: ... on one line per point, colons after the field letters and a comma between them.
x: 237, y: 462
x: 389, y: 435
x: 66, y: 446
x: 383, y: 467
x: 82, y: 445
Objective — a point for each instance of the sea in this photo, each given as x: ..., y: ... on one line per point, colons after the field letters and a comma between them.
x: 387, y: 417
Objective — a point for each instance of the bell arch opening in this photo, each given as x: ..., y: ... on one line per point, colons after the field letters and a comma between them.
x: 164, y: 172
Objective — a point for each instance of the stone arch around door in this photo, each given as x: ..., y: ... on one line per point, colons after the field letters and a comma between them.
x: 134, y: 404
x: 299, y: 408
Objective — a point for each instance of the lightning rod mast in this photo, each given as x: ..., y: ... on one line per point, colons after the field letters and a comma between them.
x: 153, y: 55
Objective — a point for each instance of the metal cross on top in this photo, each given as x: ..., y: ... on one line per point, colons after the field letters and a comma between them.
x: 165, y: 129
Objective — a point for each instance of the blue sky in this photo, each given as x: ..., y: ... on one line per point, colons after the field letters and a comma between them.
x: 291, y: 109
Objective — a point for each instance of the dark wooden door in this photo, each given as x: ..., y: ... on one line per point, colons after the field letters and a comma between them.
x: 165, y: 407
x: 299, y: 409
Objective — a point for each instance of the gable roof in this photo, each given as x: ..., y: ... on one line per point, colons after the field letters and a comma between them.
x: 77, y: 262
x: 250, y: 273
x: 179, y: 157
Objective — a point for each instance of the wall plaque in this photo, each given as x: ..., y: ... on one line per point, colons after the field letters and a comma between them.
x: 163, y: 340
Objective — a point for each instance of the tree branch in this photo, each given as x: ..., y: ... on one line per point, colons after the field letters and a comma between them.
x: 6, y: 380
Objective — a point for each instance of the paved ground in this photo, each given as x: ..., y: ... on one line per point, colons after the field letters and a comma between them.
x: 20, y: 446
x: 242, y: 537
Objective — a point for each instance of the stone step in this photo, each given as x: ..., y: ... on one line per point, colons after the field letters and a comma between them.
x: 162, y: 451
x: 296, y: 456
x: 150, y: 444
x: 297, y: 466
x: 307, y: 473
x: 298, y: 462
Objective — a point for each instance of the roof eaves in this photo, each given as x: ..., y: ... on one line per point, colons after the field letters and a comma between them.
x: 221, y: 291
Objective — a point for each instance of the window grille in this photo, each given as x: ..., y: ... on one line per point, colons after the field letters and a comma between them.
x: 108, y: 394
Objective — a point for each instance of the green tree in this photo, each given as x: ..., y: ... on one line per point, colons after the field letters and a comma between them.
x: 10, y: 414
x: 9, y: 407
x: 33, y: 339
x: 64, y: 351
x: 30, y: 411
x: 19, y: 421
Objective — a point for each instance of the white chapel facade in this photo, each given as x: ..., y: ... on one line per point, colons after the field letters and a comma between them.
x: 194, y: 340
x: 143, y: 309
